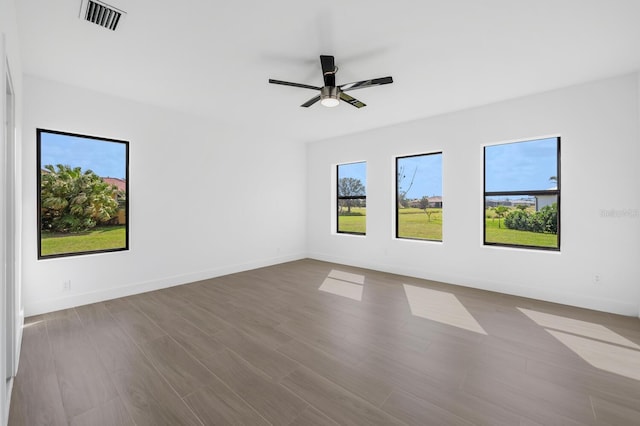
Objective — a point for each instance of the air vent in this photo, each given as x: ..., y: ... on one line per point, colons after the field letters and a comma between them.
x: 101, y: 14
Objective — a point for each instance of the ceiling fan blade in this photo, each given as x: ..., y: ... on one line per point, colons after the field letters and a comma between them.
x: 328, y: 70
x: 311, y: 102
x: 352, y: 101
x: 287, y: 83
x: 328, y: 63
x: 366, y: 83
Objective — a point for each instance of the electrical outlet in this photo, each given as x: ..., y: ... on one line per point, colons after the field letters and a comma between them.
x: 66, y: 286
x: 597, y: 279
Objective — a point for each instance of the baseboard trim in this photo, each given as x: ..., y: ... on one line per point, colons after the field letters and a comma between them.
x: 73, y: 300
x: 571, y: 299
x: 604, y: 305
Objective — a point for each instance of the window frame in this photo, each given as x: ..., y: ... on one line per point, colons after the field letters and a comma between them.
x: 397, y: 214
x: 553, y: 192
x: 39, y: 165
x: 351, y: 197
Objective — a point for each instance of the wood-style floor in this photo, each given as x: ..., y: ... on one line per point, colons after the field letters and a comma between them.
x: 269, y: 347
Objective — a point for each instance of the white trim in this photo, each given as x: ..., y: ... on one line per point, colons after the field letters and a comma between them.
x: 11, y: 235
x: 9, y: 266
x: 4, y: 389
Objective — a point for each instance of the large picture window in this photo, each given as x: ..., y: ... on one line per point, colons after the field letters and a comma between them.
x: 83, y: 188
x: 522, y: 194
x: 419, y: 197
x: 352, y: 198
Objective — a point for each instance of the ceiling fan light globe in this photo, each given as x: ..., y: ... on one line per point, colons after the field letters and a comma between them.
x: 330, y: 102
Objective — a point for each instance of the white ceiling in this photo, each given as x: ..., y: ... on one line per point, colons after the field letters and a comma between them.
x: 213, y: 58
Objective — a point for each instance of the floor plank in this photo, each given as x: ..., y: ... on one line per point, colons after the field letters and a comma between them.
x: 148, y: 397
x: 439, y: 392
x: 611, y: 413
x: 216, y: 404
x: 271, y: 362
x: 342, y: 406
x: 36, y: 398
x: 414, y: 411
x: 196, y: 342
x: 183, y: 372
x: 137, y: 325
x: 360, y: 381
x: 111, y: 413
x: 277, y: 404
x: 83, y: 380
x: 312, y: 417
x: 37, y: 403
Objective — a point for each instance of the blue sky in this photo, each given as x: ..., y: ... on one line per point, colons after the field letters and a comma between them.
x: 354, y: 170
x: 521, y: 166
x: 105, y: 158
x: 428, y: 178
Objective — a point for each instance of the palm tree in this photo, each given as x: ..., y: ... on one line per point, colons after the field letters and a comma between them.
x: 73, y: 200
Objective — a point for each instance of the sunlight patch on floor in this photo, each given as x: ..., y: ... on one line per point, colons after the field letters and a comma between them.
x: 346, y: 276
x: 596, y: 344
x: 442, y: 307
x: 581, y: 328
x: 344, y: 284
x: 611, y: 358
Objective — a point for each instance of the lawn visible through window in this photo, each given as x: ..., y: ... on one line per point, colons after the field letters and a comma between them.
x: 352, y: 198
x: 419, y: 199
x: 522, y: 194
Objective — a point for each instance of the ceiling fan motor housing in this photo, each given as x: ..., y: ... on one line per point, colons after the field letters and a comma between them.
x: 330, y: 92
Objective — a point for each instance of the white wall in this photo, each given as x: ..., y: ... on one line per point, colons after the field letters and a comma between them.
x: 9, y: 205
x: 598, y: 123
x: 205, y: 199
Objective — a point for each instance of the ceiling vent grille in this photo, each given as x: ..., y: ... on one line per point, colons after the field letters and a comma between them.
x: 101, y: 14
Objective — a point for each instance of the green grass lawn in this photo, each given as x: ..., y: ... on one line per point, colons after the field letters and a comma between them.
x: 415, y: 223
x: 503, y: 235
x: 99, y: 238
x: 356, y: 222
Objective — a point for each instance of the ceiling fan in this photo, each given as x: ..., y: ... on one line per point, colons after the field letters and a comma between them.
x: 330, y: 94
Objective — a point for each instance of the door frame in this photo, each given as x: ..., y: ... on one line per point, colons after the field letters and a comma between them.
x: 9, y: 334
